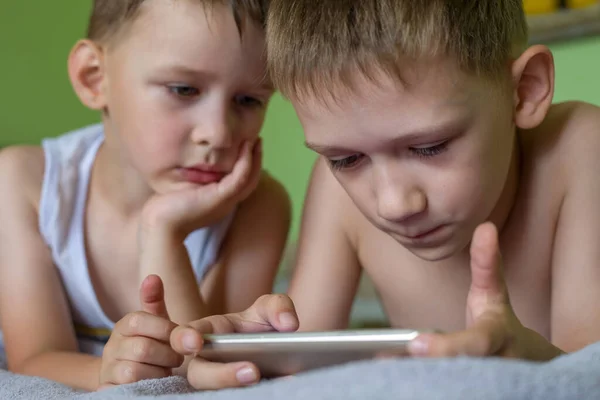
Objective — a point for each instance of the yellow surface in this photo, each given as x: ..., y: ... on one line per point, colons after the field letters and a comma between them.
x: 580, y: 3
x: 540, y: 6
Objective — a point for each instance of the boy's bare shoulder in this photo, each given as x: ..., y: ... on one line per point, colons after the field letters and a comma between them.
x: 570, y: 139
x: 21, y: 174
x: 577, y: 137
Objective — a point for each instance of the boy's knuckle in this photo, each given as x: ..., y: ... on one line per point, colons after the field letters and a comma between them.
x: 279, y: 300
x: 271, y: 299
x: 127, y: 374
x: 263, y: 298
x: 142, y: 348
x: 134, y: 321
x: 220, y: 322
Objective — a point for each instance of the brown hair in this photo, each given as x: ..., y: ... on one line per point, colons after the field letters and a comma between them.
x: 314, y: 45
x: 108, y: 17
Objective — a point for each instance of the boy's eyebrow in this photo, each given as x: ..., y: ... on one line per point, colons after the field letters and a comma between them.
x: 265, y: 84
x: 184, y: 70
x: 423, y: 136
x: 323, y: 149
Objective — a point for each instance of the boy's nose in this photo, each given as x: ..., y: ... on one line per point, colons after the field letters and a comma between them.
x: 398, y: 204
x: 215, y: 132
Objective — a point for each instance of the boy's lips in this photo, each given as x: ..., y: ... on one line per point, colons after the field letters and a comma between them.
x: 202, y: 174
x: 423, y: 233
x: 426, y: 238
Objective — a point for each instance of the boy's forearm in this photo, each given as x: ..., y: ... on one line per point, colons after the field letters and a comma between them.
x: 73, y: 369
x: 163, y: 254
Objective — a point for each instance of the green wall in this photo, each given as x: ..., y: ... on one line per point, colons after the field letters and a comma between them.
x: 36, y: 99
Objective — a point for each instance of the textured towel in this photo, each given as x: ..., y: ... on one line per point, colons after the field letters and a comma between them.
x: 574, y: 376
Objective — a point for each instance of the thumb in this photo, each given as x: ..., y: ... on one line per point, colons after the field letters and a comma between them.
x: 152, y: 296
x: 269, y: 312
x: 487, y: 279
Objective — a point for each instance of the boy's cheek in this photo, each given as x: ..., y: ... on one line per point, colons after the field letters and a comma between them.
x: 249, y: 123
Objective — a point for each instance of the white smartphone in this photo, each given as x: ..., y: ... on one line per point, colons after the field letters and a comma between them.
x: 282, y: 354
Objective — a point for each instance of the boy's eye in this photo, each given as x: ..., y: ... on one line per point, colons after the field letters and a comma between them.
x: 248, y: 101
x: 184, y: 90
x: 345, y: 163
x: 430, y: 151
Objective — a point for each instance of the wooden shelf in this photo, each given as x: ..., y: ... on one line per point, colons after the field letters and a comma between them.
x: 563, y: 25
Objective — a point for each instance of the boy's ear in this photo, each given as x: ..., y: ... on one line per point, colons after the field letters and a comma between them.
x: 533, y: 78
x: 87, y: 73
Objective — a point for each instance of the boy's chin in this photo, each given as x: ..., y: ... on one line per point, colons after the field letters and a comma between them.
x: 437, y: 253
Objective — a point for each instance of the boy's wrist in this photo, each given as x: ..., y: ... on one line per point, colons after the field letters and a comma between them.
x: 157, y: 224
x: 156, y: 230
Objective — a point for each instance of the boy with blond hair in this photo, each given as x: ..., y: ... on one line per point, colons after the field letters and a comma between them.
x: 446, y: 174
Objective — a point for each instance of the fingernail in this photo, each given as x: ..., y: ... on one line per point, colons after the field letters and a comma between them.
x: 189, y: 342
x: 419, y: 346
x: 246, y: 375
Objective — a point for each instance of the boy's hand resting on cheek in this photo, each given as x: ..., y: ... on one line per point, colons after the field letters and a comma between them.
x: 493, y: 329
x: 139, y: 345
x: 268, y: 313
x: 185, y: 210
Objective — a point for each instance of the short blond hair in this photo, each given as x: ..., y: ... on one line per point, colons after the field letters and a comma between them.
x: 108, y: 17
x: 314, y: 45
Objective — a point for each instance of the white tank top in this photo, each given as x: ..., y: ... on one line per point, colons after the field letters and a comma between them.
x: 68, y: 165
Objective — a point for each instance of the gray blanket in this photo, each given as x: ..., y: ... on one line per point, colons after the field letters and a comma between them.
x: 574, y: 376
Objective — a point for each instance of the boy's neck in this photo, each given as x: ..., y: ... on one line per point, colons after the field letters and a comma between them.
x: 506, y: 202
x: 119, y: 184
x: 507, y: 199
